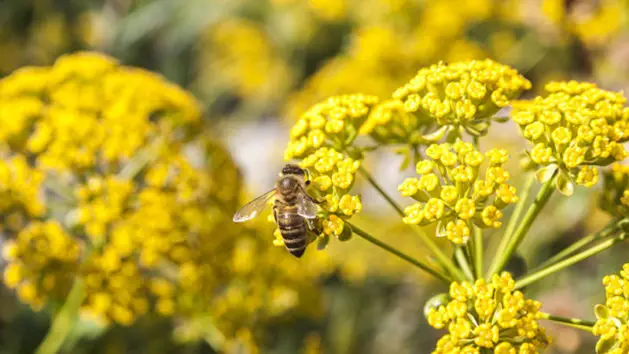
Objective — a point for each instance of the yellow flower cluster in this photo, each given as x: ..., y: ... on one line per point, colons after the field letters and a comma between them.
x: 389, y: 123
x: 330, y: 10
x: 42, y: 260
x: 575, y: 128
x: 488, y: 315
x: 612, y: 325
x: 138, y: 202
x: 594, y: 24
x: 334, y: 123
x: 615, y: 194
x: 332, y: 176
x: 451, y: 191
x: 239, y: 58
x: 20, y: 192
x: 463, y: 94
x: 392, y: 38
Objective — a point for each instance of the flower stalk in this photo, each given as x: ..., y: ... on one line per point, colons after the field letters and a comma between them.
x: 462, y: 260
x: 606, y: 231
x: 571, y: 322
x: 443, y: 260
x: 514, y: 241
x: 533, y: 277
x: 368, y: 237
x: 64, y: 320
x: 478, y: 252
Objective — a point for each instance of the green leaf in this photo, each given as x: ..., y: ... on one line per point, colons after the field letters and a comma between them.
x: 441, y: 229
x: 407, y: 159
x: 436, y: 301
x: 544, y: 174
x: 436, y: 135
x: 604, y: 346
x: 564, y: 185
x: 601, y: 312
x: 346, y: 234
x: 478, y: 128
x: 322, y: 242
x: 501, y: 119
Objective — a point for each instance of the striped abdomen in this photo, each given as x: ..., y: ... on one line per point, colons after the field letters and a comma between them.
x: 293, y: 229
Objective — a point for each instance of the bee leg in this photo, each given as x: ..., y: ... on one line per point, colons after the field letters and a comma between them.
x: 313, y: 226
x: 275, y: 213
x: 307, y: 196
x: 313, y: 200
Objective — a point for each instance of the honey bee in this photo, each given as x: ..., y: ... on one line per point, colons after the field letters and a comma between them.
x: 293, y: 209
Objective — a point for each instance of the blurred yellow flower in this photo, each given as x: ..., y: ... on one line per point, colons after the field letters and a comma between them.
x: 593, y: 22
x: 109, y: 178
x: 615, y: 196
x: 238, y: 57
x: 42, y: 261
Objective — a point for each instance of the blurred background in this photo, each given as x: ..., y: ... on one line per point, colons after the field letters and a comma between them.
x: 255, y: 65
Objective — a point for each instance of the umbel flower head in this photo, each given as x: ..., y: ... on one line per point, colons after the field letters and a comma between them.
x: 334, y: 123
x: 462, y: 95
x: 452, y: 191
x: 106, y: 178
x: 615, y: 195
x: 390, y: 123
x: 488, y: 315
x: 574, y: 129
x: 332, y: 175
x: 612, y: 325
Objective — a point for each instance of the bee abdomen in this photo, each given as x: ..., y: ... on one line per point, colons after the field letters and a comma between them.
x: 293, y: 230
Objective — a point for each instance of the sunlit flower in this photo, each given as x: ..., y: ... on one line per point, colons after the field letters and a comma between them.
x: 488, y: 315
x: 452, y: 192
x: 575, y: 128
x: 389, y: 123
x: 461, y: 95
x: 333, y: 123
x: 612, y: 317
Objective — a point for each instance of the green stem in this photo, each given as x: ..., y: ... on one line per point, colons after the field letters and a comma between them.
x: 571, y: 322
x: 478, y: 252
x: 380, y: 190
x: 535, y: 276
x: 514, y: 241
x: 513, y: 222
x: 436, y: 251
x: 64, y: 320
x: 606, y: 231
x: 141, y: 159
x: 365, y: 235
x: 461, y: 259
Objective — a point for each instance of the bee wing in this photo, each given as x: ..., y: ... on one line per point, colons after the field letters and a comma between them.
x: 306, y: 207
x: 254, y: 207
